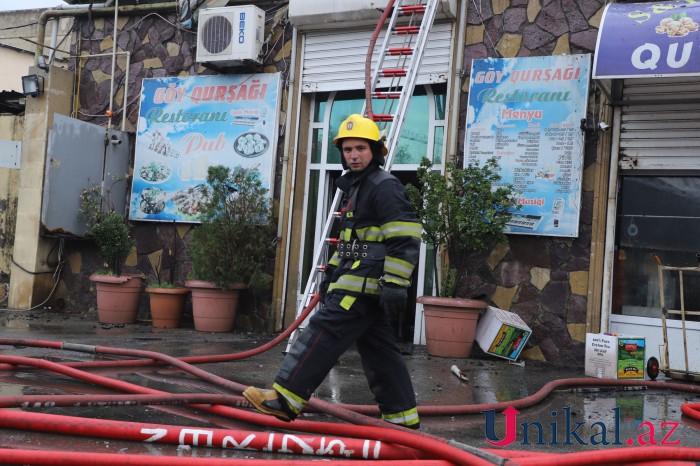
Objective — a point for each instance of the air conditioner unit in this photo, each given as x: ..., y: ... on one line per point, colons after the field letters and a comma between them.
x: 230, y: 35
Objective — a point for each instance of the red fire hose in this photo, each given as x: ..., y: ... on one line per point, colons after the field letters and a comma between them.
x: 691, y: 410
x: 150, y: 362
x: 302, y: 424
x: 432, y: 445
x: 322, y: 446
x: 403, y: 438
x: 69, y: 458
x: 615, y: 456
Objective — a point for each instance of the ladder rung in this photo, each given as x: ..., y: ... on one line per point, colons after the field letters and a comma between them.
x: 400, y: 51
x: 393, y: 72
x: 386, y: 95
x: 403, y: 30
x: 382, y: 117
x: 410, y: 9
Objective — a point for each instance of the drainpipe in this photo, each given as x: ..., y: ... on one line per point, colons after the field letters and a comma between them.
x: 57, y: 13
x: 609, y: 261
x: 290, y: 102
x: 129, y: 9
x: 452, y: 142
x: 457, y: 90
x: 114, y: 64
x: 54, y: 31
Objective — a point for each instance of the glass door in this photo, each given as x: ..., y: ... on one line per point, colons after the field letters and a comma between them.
x: 422, y: 135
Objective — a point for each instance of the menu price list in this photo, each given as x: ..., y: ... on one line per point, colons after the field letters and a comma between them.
x: 533, y: 153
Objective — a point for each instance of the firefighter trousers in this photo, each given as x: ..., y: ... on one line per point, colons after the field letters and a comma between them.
x: 331, y: 331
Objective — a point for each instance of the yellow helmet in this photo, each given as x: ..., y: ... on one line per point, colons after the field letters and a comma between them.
x: 357, y: 126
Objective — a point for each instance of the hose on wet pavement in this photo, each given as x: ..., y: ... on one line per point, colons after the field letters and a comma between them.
x: 369, y: 428
x: 208, y: 359
x: 232, y: 439
x: 28, y: 420
x: 440, y: 448
x: 618, y: 456
x: 69, y: 458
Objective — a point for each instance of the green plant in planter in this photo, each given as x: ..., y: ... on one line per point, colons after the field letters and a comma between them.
x: 110, y: 229
x: 236, y: 234
x: 463, y: 213
x: 158, y: 280
x: 163, y: 285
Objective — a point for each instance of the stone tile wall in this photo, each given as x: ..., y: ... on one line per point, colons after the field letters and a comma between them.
x: 158, y: 48
x: 543, y: 279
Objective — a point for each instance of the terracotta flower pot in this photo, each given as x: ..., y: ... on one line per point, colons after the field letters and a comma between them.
x: 213, y: 309
x: 450, y: 325
x: 167, y: 305
x: 118, y: 298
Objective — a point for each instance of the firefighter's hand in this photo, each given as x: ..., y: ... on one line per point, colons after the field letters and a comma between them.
x: 393, y: 299
x: 323, y: 287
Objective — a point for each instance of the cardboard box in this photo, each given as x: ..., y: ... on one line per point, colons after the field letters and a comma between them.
x: 502, y: 333
x: 615, y: 356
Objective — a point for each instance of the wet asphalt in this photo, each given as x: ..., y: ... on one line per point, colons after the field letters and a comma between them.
x: 571, y: 419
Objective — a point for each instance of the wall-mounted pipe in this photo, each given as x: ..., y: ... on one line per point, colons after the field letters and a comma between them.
x: 292, y: 97
x: 114, y: 64
x: 54, y: 32
x: 609, y: 259
x: 125, y: 10
x: 126, y: 78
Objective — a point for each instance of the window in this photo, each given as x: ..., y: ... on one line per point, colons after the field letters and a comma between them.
x: 423, y: 126
x: 658, y: 216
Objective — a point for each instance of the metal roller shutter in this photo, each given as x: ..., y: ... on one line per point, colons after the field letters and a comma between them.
x: 335, y: 60
x: 661, y: 130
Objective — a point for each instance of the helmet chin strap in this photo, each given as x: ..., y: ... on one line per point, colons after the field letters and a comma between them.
x: 377, y: 154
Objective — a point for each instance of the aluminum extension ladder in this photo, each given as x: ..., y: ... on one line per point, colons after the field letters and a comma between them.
x: 395, y: 73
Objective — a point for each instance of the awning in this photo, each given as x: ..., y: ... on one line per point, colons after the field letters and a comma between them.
x: 653, y: 39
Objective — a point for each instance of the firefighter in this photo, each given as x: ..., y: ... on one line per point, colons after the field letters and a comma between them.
x: 365, y: 284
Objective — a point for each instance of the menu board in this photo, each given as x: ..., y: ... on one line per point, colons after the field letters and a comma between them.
x: 526, y: 113
x: 186, y: 125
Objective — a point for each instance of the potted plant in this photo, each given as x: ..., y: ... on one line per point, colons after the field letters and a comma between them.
x: 229, y: 248
x: 463, y: 213
x: 118, y: 295
x: 166, y: 298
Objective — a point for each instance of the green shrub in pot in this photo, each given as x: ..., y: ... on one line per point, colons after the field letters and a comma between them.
x: 463, y: 212
x: 236, y: 234
x: 110, y: 229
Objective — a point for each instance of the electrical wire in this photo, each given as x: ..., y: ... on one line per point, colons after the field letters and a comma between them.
x: 477, y: 8
x: 56, y: 274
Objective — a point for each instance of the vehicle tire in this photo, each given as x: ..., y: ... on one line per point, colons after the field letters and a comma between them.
x: 652, y: 368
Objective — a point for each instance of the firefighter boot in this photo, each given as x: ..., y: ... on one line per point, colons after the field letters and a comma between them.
x: 269, y: 402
